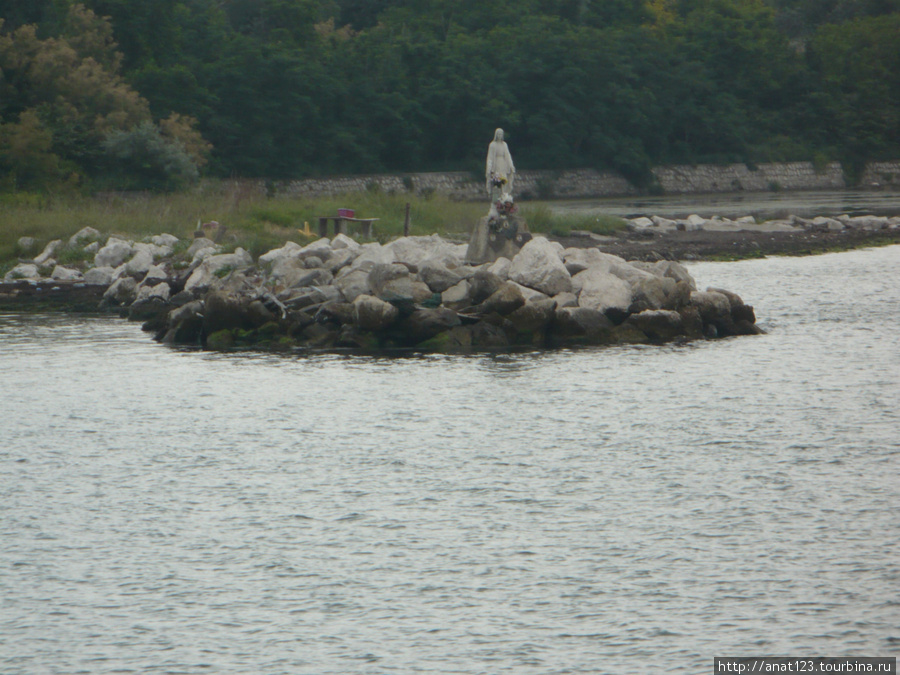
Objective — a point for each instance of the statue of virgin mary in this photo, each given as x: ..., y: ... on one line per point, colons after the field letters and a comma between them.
x: 500, y: 172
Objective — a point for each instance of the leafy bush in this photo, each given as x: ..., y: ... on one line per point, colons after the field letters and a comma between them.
x: 144, y: 158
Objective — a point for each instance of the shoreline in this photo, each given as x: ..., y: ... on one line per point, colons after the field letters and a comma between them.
x: 644, y: 246
x: 710, y: 245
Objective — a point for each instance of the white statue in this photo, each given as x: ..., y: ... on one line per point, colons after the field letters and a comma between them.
x: 500, y: 172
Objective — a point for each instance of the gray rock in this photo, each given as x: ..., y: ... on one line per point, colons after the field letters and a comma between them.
x: 651, y: 293
x: 289, y: 250
x: 23, y: 271
x: 122, y: 291
x: 140, y: 263
x: 381, y: 274
x: 343, y: 242
x: 114, y: 253
x: 566, y: 300
x: 312, y: 262
x: 457, y: 297
x: 26, y: 245
x: 505, y: 300
x: 161, y: 291
x: 539, y: 266
x: 371, y: 313
x: 320, y: 249
x: 83, y: 236
x: 659, y: 325
x: 500, y: 268
x: 61, y: 273
x: 438, y: 276
x: 156, y: 252
x: 341, y: 258
x: 602, y: 291
x: 48, y: 252
x: 210, y: 272
x: 165, y: 240
x: 714, y: 309
x: 405, y: 290
x: 92, y: 248
x: 424, y: 324
x: 534, y: 316
x: 574, y: 322
x: 199, y: 244
x: 99, y: 276
x: 373, y: 254
x: 352, y: 283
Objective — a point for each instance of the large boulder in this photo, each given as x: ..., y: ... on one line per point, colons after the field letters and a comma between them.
x: 23, y: 271
x: 457, y: 297
x: 372, y: 314
x: 715, y: 310
x: 114, y: 253
x: 320, y: 249
x: 61, y: 273
x: 214, y: 268
x: 352, y: 283
x: 426, y: 323
x: 84, y: 236
x: 99, y: 276
x: 580, y: 324
x: 506, y: 299
x: 289, y: 250
x: 659, y: 325
x: 483, y: 284
x: 603, y: 292
x: 539, y: 266
x: 140, y: 263
x: 121, y: 292
x: 438, y: 276
x: 393, y: 283
x: 48, y: 252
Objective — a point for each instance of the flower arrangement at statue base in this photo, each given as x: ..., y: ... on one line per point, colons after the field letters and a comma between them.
x: 498, y: 180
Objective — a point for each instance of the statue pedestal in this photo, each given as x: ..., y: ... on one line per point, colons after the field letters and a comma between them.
x: 497, y: 238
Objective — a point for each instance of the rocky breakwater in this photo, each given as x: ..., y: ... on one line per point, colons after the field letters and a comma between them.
x: 419, y: 293
x: 412, y: 293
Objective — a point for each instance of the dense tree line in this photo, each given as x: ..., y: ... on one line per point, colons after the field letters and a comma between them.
x: 146, y: 92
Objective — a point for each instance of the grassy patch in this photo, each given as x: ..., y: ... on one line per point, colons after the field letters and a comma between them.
x: 254, y: 221
x: 542, y: 219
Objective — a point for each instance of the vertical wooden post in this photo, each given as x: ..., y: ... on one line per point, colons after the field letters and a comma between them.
x: 406, y: 222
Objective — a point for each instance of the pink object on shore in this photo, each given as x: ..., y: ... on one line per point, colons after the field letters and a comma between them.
x: 346, y: 213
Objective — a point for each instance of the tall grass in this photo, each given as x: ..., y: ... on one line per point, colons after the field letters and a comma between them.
x: 253, y: 221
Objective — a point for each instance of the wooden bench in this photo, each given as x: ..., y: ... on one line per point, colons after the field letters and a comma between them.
x: 340, y: 227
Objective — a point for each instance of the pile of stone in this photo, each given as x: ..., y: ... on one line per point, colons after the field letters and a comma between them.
x: 694, y: 223
x: 414, y: 292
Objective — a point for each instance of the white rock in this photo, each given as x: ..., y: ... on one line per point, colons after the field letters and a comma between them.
x: 321, y: 249
x: 373, y: 254
x: 61, y: 273
x: 154, y: 250
x: 207, y: 273
x: 539, y: 266
x: 693, y: 222
x: 642, y: 223
x: 165, y: 240
x: 601, y: 291
x: 99, y: 276
x: 341, y: 258
x: 566, y: 300
x: 352, y: 283
x: 371, y: 313
x: 23, y: 271
x: 746, y: 220
x: 161, y: 291
x: 114, y: 253
x: 290, y: 250
x: 155, y: 273
x: 342, y: 241
x: 140, y: 263
x: 93, y: 247
x: 85, y: 234
x: 458, y: 296
x: 664, y: 224
x: 199, y: 244
x: 530, y: 294
x: 500, y: 267
x: 48, y: 252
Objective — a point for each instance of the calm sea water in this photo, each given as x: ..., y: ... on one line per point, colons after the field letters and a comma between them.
x: 587, y: 511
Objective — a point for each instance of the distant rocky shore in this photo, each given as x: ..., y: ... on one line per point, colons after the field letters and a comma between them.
x: 414, y: 292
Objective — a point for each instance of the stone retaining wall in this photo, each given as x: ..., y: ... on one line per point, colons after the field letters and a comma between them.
x: 588, y: 183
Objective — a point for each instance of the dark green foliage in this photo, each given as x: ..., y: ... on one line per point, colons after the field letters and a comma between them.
x: 287, y: 88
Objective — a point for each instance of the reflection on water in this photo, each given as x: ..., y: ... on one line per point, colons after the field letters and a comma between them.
x: 762, y: 205
x: 590, y: 510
